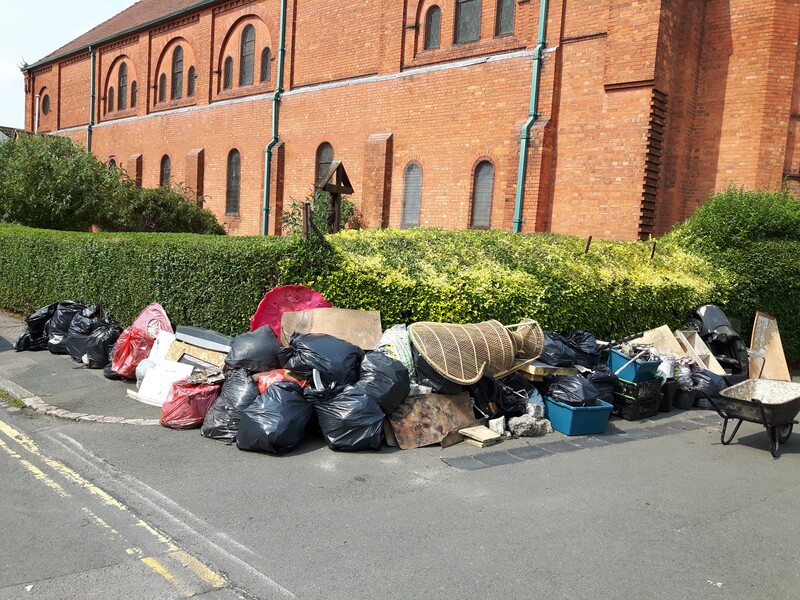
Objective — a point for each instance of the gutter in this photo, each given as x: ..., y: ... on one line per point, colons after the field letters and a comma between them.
x: 533, y: 115
x: 276, y: 104
x: 92, y: 99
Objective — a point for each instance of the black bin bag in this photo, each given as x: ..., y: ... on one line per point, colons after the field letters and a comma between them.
x: 573, y: 390
x: 385, y: 380
x: 58, y: 326
x: 336, y: 360
x: 35, y: 338
x: 584, y: 344
x: 556, y: 351
x: 255, y: 351
x: 427, y: 375
x: 351, y: 421
x: 238, y: 392
x: 605, y: 382
x: 276, y: 421
x: 708, y: 382
x: 100, y: 346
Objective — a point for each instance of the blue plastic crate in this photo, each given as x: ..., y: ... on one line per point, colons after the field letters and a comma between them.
x: 578, y: 420
x: 636, y: 372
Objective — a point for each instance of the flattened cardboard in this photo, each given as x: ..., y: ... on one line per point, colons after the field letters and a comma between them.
x: 359, y: 327
x: 697, y: 350
x: 766, y: 341
x: 425, y: 420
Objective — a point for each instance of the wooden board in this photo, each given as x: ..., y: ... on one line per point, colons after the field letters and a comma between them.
x: 537, y: 370
x: 178, y: 349
x: 427, y: 419
x: 454, y: 437
x: 663, y: 340
x: 697, y: 350
x: 480, y: 434
x: 766, y: 342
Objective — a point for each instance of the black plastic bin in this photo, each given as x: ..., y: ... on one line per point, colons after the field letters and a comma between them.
x: 684, y: 398
x: 635, y: 401
x: 668, y: 391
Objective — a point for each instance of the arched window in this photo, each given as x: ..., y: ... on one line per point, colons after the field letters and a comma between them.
x: 433, y: 26
x: 110, y: 100
x: 176, y: 91
x: 122, y: 86
x: 190, y: 77
x: 227, y: 74
x: 412, y: 195
x: 505, y: 17
x: 324, y: 159
x: 233, y: 186
x: 247, y: 55
x: 46, y: 105
x: 162, y: 88
x: 112, y: 164
x: 468, y: 21
x: 166, y: 171
x: 134, y: 90
x: 482, y: 195
x: 266, y: 65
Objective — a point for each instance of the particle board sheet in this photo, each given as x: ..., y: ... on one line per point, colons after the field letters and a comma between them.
x: 537, y: 370
x: 765, y: 343
x: 663, y: 340
x: 697, y: 350
x: 180, y: 349
x: 425, y: 420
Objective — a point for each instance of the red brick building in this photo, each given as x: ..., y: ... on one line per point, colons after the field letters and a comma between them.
x: 628, y: 112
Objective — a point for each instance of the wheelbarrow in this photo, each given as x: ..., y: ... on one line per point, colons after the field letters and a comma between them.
x: 773, y: 404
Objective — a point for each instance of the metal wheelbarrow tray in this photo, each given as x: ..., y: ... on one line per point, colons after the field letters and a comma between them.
x: 773, y: 404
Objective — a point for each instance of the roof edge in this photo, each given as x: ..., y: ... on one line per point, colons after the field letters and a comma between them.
x: 120, y: 34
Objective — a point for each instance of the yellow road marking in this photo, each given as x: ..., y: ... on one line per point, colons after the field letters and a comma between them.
x: 36, y: 472
x: 99, y: 520
x: 158, y: 535
x: 164, y: 572
x: 206, y: 573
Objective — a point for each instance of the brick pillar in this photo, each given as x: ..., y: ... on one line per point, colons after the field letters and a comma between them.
x: 376, y: 189
x: 134, y: 169
x: 195, y: 169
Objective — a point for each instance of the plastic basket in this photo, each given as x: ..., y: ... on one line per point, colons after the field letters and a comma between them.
x: 578, y: 420
x: 637, y: 372
x: 632, y: 409
x: 646, y: 390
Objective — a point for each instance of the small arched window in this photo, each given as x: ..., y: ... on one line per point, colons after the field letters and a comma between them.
x: 233, y: 185
x: 176, y: 91
x: 324, y: 159
x: 482, y: 195
x: 505, y: 17
x: 46, y: 105
x: 110, y: 100
x: 166, y: 171
x: 468, y: 21
x: 433, y: 27
x: 412, y: 195
x: 191, y: 75
x: 247, y: 55
x: 266, y: 65
x: 112, y: 164
x: 122, y: 86
x: 227, y: 74
x: 162, y: 88
x: 134, y: 91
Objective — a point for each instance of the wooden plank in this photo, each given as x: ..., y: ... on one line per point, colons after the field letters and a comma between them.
x: 481, y: 444
x: 178, y: 349
x: 480, y: 433
x: 454, y: 437
x: 425, y: 420
x: 537, y: 370
x: 697, y: 350
x: 766, y: 341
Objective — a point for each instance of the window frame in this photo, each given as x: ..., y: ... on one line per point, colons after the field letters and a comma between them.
x: 176, y: 80
x: 266, y: 65
x: 247, y: 56
x: 162, y: 87
x: 511, y: 5
x: 434, y: 9
x: 227, y: 73
x: 460, y: 7
x: 407, y: 224
x: 474, y: 197
x: 134, y: 93
x: 110, y: 99
x: 318, y: 160
x: 165, y: 175
x: 233, y: 183
x: 122, y: 87
x: 45, y: 105
x: 191, y: 76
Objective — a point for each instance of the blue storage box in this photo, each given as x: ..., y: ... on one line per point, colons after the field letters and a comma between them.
x: 577, y: 420
x: 636, y: 372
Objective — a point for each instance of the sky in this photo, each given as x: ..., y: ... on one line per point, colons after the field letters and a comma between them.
x: 32, y: 29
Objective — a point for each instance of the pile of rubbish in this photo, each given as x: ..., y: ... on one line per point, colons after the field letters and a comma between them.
x: 307, y: 368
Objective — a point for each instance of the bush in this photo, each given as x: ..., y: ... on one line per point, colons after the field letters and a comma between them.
x: 52, y: 183
x: 292, y: 219
x: 753, y: 236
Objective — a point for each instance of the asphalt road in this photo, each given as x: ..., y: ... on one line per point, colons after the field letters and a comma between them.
x: 95, y: 510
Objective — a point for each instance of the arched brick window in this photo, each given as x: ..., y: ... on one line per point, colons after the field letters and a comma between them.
x: 134, y: 91
x: 110, y: 100
x: 166, y: 171
x: 46, y: 105
x: 112, y: 164
x: 468, y: 21
x: 227, y: 74
x: 233, y: 183
x: 162, y: 88
x: 433, y: 27
x: 247, y: 55
x: 412, y: 195
x: 324, y: 159
x: 266, y: 65
x: 505, y: 17
x: 176, y: 90
x: 122, y: 86
x: 191, y: 75
x: 482, y: 195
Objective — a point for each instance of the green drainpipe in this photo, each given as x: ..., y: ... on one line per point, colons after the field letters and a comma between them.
x: 533, y: 114
x: 91, y: 100
x: 276, y: 102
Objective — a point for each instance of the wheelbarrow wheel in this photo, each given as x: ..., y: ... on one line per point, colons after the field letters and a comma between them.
x: 774, y: 439
x: 784, y: 431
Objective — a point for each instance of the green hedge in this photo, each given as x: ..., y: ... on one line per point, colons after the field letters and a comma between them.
x: 754, y: 236
x: 414, y: 275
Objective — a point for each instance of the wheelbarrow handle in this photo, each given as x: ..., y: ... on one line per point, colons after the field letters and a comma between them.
x: 708, y: 397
